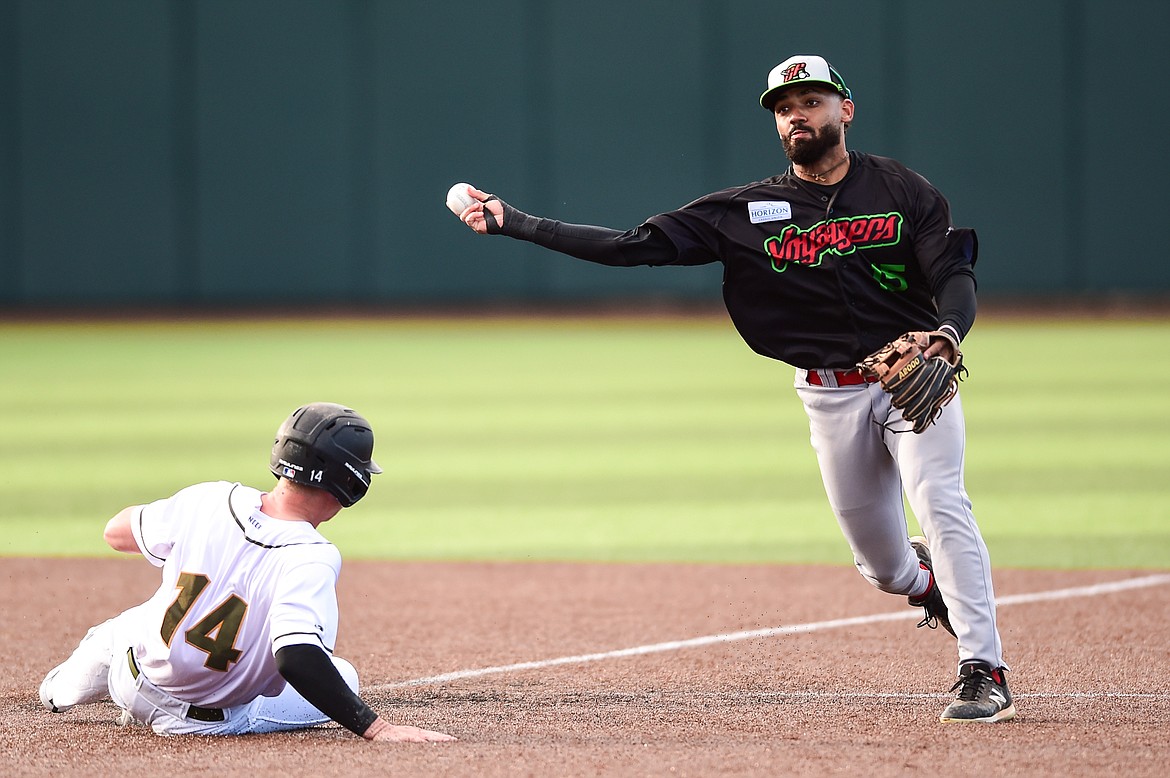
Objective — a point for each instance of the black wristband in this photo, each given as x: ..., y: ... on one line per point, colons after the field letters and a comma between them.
x: 489, y: 218
x: 517, y: 224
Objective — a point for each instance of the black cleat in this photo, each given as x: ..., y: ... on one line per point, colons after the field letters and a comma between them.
x: 931, y: 601
x: 983, y: 696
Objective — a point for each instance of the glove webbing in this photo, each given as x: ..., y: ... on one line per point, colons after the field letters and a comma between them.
x: 921, y: 394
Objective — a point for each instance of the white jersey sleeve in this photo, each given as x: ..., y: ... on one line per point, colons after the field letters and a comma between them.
x: 155, y: 526
x: 304, y: 607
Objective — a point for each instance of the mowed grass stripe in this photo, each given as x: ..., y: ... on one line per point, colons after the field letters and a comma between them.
x: 574, y: 438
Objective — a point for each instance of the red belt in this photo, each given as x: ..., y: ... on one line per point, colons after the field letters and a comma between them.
x: 844, y: 377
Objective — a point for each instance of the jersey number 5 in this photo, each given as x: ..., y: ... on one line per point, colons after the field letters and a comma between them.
x: 892, y: 278
x: 214, y: 634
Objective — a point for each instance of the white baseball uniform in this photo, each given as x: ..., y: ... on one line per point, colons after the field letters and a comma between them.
x: 198, y: 656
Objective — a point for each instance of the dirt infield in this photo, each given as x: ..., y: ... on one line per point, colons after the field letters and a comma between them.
x: 1092, y: 675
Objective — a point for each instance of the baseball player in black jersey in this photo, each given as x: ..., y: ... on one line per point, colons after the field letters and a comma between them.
x: 824, y: 263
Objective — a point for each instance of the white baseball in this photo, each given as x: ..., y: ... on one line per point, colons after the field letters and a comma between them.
x: 459, y: 199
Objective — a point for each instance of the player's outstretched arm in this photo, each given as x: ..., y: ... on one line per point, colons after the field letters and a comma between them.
x: 309, y: 670
x: 487, y: 214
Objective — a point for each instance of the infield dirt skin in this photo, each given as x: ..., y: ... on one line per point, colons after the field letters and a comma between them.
x: 1091, y: 676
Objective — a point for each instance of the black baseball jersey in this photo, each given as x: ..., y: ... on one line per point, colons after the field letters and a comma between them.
x: 815, y: 276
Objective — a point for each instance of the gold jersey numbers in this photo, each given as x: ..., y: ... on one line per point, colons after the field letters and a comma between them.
x: 215, y: 633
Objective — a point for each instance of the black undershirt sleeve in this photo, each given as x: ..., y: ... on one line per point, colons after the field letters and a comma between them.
x: 310, y: 671
x: 956, y: 303
x: 643, y: 245
x: 954, y: 295
x: 649, y: 245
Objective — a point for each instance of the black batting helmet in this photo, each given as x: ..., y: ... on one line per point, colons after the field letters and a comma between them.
x: 327, y: 446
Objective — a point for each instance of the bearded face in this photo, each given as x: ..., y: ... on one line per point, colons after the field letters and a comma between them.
x: 805, y: 145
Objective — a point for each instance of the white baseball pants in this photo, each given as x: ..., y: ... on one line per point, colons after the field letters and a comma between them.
x: 867, y: 469
x: 99, y: 669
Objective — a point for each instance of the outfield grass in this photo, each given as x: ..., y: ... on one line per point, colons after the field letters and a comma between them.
x: 590, y: 439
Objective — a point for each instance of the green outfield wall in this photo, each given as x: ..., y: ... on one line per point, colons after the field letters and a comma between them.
x: 239, y: 152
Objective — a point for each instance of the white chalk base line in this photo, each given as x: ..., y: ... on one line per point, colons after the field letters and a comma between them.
x: 1094, y: 590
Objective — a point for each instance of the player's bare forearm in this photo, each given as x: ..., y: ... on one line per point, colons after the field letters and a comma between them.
x: 118, y: 534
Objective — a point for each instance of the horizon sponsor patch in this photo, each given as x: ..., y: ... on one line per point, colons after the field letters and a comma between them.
x: 769, y: 211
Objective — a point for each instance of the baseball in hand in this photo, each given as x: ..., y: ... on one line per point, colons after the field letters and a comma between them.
x: 459, y: 199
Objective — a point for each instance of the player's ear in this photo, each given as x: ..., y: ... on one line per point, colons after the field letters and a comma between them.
x: 847, y: 110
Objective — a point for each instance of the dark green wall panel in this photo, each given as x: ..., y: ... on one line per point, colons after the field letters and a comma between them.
x: 274, y: 149
x: 623, y: 143
x: 1121, y: 113
x: 95, y: 153
x: 985, y: 123
x: 10, y: 148
x: 231, y: 152
x: 451, y: 104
